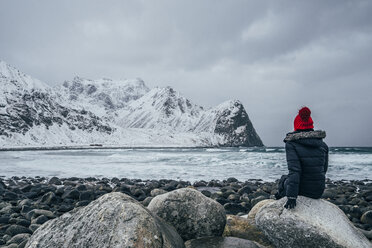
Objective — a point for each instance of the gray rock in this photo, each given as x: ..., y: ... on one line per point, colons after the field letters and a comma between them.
x: 221, y: 242
x: 55, y: 181
x: 147, y: 201
x: 47, y: 213
x: 258, y: 199
x: 4, y: 220
x: 17, y: 229
x: 367, y: 217
x: 11, y: 246
x: 49, y: 198
x: 86, y: 195
x: 40, y: 220
x: 7, y: 210
x: 312, y: 223
x: 190, y: 212
x: 24, y: 202
x: 156, y: 192
x: 23, y: 222
x: 113, y: 220
x: 19, y: 238
x: 33, y: 227
x: 245, y: 190
x: 6, y: 238
x: 23, y: 244
x: 72, y: 194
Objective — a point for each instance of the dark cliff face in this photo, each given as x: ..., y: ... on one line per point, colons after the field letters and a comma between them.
x: 235, y: 126
x: 38, y: 108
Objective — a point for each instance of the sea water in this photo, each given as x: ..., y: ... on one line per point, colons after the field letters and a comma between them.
x: 268, y: 164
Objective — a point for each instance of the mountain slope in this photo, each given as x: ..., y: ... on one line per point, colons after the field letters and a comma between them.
x: 113, y: 112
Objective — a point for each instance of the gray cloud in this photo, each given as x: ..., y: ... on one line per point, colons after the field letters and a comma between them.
x: 274, y: 56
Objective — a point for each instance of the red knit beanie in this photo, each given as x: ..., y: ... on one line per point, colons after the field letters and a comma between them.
x: 303, y: 119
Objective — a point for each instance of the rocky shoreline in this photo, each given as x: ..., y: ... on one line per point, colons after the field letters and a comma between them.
x: 27, y: 203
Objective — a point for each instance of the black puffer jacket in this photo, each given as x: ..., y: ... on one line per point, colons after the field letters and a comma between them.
x: 307, y: 158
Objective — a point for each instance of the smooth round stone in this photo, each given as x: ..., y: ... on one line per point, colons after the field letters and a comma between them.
x: 81, y: 187
x: 147, y: 201
x: 55, y: 181
x: 17, y: 229
x: 367, y: 218
x: 258, y: 199
x: 221, y: 200
x: 40, y: 220
x: 86, y: 195
x: 25, y: 202
x: 49, y: 198
x: 190, y: 212
x: 114, y: 220
x: 228, y: 192
x: 82, y: 203
x: 33, y: 227
x: 233, y: 197
x: 200, y: 184
x: 10, y: 196
x: 232, y: 180
x: 19, y: 238
x: 156, y: 192
x: 23, y: 222
x: 72, y: 194
x: 245, y: 190
x: 65, y: 208
x: 4, y: 220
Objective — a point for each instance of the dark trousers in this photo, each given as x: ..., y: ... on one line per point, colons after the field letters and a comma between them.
x: 282, y: 186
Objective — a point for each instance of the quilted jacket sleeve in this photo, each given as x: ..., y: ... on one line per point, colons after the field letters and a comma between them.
x: 294, y: 168
x: 326, y: 157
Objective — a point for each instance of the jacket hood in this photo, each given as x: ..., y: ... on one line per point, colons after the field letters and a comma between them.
x: 310, y: 138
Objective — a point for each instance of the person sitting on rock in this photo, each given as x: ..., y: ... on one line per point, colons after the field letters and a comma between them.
x: 307, y: 159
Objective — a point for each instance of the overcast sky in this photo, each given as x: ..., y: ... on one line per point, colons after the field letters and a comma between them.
x: 274, y: 56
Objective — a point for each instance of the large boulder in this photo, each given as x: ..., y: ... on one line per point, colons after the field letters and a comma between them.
x: 113, y: 220
x: 312, y: 223
x: 190, y: 212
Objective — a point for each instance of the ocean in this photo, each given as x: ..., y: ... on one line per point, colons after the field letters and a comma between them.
x: 189, y: 164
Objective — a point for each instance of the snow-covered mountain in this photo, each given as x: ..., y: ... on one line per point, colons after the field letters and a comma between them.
x: 113, y: 112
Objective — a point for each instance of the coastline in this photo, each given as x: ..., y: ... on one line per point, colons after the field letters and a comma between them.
x: 97, y: 147
x: 26, y: 203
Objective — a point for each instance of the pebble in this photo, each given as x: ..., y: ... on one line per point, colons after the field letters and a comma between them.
x: 19, y: 238
x: 40, y: 220
x: 367, y: 218
x: 25, y: 203
x: 16, y: 229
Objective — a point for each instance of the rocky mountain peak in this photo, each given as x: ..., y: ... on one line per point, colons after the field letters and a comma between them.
x: 113, y: 111
x: 13, y: 80
x: 233, y: 122
x: 103, y: 93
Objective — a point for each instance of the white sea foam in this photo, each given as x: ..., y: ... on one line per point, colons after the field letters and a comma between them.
x: 185, y: 164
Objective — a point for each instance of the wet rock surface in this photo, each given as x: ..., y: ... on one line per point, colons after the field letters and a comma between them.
x: 192, y: 214
x: 113, y: 220
x: 24, y: 200
x: 312, y: 223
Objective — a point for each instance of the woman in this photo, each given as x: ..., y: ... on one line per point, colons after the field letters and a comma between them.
x: 307, y: 159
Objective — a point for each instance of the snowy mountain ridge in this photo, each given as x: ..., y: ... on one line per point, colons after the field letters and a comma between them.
x: 113, y: 112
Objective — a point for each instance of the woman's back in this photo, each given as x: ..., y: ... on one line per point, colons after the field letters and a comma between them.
x: 312, y: 155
